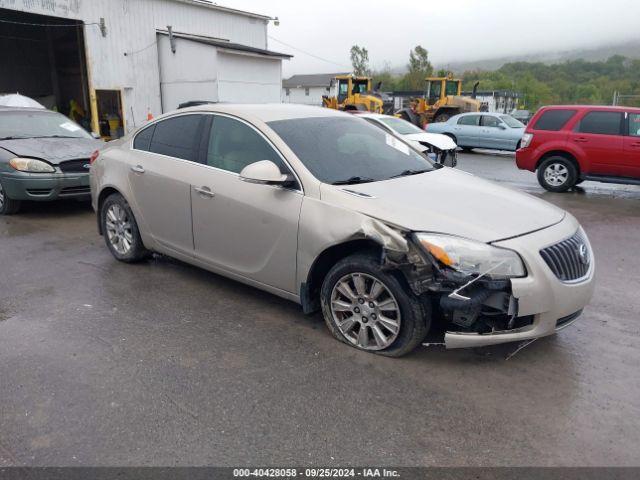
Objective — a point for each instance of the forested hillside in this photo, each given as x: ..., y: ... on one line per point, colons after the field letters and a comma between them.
x: 572, y: 82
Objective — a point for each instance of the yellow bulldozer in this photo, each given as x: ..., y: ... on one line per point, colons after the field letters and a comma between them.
x: 442, y: 100
x: 353, y: 93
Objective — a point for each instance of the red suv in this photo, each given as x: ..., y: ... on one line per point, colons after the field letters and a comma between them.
x: 570, y: 144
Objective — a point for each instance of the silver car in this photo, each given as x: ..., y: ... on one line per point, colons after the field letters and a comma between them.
x: 326, y: 210
x: 494, y: 131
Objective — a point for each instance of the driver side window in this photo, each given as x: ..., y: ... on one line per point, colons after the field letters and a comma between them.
x: 233, y: 145
x: 489, y: 121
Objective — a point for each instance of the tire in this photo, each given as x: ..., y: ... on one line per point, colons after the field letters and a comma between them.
x: 120, y: 230
x: 8, y: 206
x: 557, y: 174
x: 467, y: 149
x: 350, y: 311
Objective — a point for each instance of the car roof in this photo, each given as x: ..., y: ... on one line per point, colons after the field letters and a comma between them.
x: 590, y: 107
x: 466, y: 114
x: 373, y: 115
x: 268, y: 112
x: 4, y: 108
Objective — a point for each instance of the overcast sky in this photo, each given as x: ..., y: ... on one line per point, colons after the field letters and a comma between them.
x: 476, y: 30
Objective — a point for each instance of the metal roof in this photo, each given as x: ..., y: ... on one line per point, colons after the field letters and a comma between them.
x: 315, y: 80
x: 225, y: 44
x: 212, y: 5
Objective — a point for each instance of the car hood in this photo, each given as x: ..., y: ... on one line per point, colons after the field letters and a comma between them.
x: 448, y: 201
x: 53, y: 150
x: 441, y: 142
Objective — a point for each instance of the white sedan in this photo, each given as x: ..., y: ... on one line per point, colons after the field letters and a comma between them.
x: 437, y: 146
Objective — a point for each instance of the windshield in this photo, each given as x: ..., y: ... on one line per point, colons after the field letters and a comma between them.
x: 337, y: 149
x: 31, y: 124
x: 400, y: 126
x: 512, y: 122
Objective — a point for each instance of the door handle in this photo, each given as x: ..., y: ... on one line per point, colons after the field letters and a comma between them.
x: 580, y: 140
x: 137, y: 169
x: 205, y: 192
x: 635, y: 144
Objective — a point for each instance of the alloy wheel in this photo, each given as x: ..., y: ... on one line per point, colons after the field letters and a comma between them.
x: 365, y: 311
x: 118, y: 227
x: 2, y: 198
x: 556, y: 174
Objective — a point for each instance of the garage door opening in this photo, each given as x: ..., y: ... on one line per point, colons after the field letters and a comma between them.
x: 109, y: 103
x: 45, y: 62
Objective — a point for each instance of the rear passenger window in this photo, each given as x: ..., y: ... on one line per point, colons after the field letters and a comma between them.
x: 143, y: 139
x: 178, y: 137
x: 634, y: 124
x: 473, y: 120
x: 602, y: 123
x: 553, y: 120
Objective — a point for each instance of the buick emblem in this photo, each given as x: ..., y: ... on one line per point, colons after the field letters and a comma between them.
x: 583, y: 253
x: 86, y: 166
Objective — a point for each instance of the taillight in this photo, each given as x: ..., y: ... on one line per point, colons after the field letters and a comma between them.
x: 526, y: 140
x: 94, y: 157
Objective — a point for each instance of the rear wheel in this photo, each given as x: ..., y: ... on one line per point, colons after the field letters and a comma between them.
x: 8, y: 206
x: 557, y: 174
x: 370, y: 309
x: 121, y: 230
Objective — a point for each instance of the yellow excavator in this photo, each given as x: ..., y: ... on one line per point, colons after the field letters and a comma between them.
x: 442, y: 100
x: 353, y: 93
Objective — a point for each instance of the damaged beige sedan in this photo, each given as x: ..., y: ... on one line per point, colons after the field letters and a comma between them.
x: 324, y: 209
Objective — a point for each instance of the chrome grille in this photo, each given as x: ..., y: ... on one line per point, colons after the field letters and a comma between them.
x: 570, y: 259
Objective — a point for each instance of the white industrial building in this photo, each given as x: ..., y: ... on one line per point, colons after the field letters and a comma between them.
x: 308, y: 89
x: 123, y: 60
x: 497, y: 101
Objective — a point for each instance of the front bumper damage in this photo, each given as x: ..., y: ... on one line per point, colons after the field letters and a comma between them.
x: 499, y: 311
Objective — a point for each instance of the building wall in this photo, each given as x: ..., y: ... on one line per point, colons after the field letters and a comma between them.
x: 248, y: 78
x: 127, y: 58
x: 499, y: 103
x: 298, y: 95
x: 184, y: 75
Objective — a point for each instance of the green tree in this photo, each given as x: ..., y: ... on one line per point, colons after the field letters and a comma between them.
x: 360, y: 61
x: 386, y: 77
x: 419, y: 68
x: 570, y: 82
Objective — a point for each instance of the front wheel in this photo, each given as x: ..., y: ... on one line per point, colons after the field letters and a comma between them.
x: 8, y: 206
x: 370, y: 309
x: 557, y: 174
x: 120, y: 230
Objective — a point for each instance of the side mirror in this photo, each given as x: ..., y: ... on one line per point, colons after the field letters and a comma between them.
x: 502, y: 127
x: 265, y: 172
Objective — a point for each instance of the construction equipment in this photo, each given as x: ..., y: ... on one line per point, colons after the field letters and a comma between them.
x: 442, y: 100
x: 353, y: 93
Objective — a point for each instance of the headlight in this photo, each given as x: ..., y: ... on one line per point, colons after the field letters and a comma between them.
x: 31, y: 165
x: 472, y: 258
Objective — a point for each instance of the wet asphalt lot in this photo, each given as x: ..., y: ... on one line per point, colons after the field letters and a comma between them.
x: 161, y: 363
